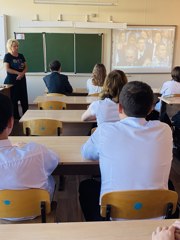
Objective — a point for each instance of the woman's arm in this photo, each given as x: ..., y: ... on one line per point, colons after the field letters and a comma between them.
x: 13, y: 71
x: 10, y: 70
x: 21, y: 74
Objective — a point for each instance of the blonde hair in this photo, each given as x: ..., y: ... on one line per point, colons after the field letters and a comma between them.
x: 10, y: 43
x: 113, y: 85
x: 98, y: 74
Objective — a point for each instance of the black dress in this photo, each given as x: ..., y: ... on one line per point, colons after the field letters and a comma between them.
x: 19, y: 89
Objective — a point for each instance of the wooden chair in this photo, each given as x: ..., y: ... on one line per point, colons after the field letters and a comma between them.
x: 93, y: 130
x: 138, y: 204
x: 54, y: 94
x: 93, y: 94
x: 51, y: 105
x: 42, y: 127
x: 26, y: 203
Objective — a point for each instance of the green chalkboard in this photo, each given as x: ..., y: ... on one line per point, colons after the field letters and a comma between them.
x: 88, y: 51
x: 60, y: 47
x: 78, y: 53
x: 32, y: 49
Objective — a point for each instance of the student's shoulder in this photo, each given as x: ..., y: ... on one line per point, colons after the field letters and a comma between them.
x: 109, y: 126
x: 89, y: 81
x: 33, y: 147
x: 47, y: 76
x: 167, y: 83
x: 156, y: 124
x: 63, y: 76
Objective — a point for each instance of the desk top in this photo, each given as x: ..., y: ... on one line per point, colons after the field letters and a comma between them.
x: 170, y: 100
x: 117, y: 230
x: 67, y: 99
x: 81, y: 90
x: 68, y: 116
x: 3, y: 86
x: 68, y: 148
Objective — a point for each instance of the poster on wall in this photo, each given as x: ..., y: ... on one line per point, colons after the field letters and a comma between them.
x: 143, y: 49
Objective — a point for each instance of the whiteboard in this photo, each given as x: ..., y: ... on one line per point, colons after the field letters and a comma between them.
x: 3, y: 31
x: 143, y: 49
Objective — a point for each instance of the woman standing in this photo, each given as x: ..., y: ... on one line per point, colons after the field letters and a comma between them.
x: 16, y: 67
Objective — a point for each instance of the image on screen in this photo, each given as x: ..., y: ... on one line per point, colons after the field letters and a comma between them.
x: 143, y: 49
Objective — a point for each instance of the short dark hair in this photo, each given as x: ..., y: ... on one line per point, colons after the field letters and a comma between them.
x: 55, y: 65
x: 6, y: 111
x: 175, y: 74
x: 136, y: 99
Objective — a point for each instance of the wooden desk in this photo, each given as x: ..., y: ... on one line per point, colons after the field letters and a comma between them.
x: 5, y: 89
x: 71, y: 119
x: 72, y: 102
x: 170, y: 100
x: 70, y: 116
x: 170, y: 105
x: 79, y: 92
x: 69, y: 151
x: 118, y: 230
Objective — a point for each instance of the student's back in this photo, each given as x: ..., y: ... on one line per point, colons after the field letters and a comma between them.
x: 106, y: 109
x: 133, y: 153
x: 95, y: 83
x: 23, y: 166
x: 57, y: 82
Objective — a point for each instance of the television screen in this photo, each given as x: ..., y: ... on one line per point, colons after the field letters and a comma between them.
x: 143, y: 49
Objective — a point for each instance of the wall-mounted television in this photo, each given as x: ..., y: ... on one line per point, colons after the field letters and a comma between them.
x: 143, y: 49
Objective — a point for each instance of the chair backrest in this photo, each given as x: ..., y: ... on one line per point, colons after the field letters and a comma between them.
x: 54, y: 94
x: 138, y: 204
x: 94, y: 94
x: 93, y: 130
x: 42, y: 127
x: 24, y: 203
x: 51, y: 105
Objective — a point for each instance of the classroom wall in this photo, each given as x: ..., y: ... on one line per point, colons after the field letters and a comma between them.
x: 136, y: 12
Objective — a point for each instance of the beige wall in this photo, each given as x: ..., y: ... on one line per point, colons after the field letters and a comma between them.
x: 133, y: 12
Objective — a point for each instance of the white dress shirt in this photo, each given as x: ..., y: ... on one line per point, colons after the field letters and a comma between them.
x: 105, y: 110
x: 168, y: 88
x: 91, y: 88
x: 26, y: 166
x: 133, y: 154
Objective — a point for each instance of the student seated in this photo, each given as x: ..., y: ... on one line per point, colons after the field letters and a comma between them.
x: 133, y: 153
x: 23, y: 166
x: 57, y: 82
x: 170, y: 87
x: 94, y: 84
x: 106, y: 109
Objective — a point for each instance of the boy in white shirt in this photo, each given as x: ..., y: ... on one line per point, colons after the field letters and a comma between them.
x: 133, y: 153
x: 23, y: 166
